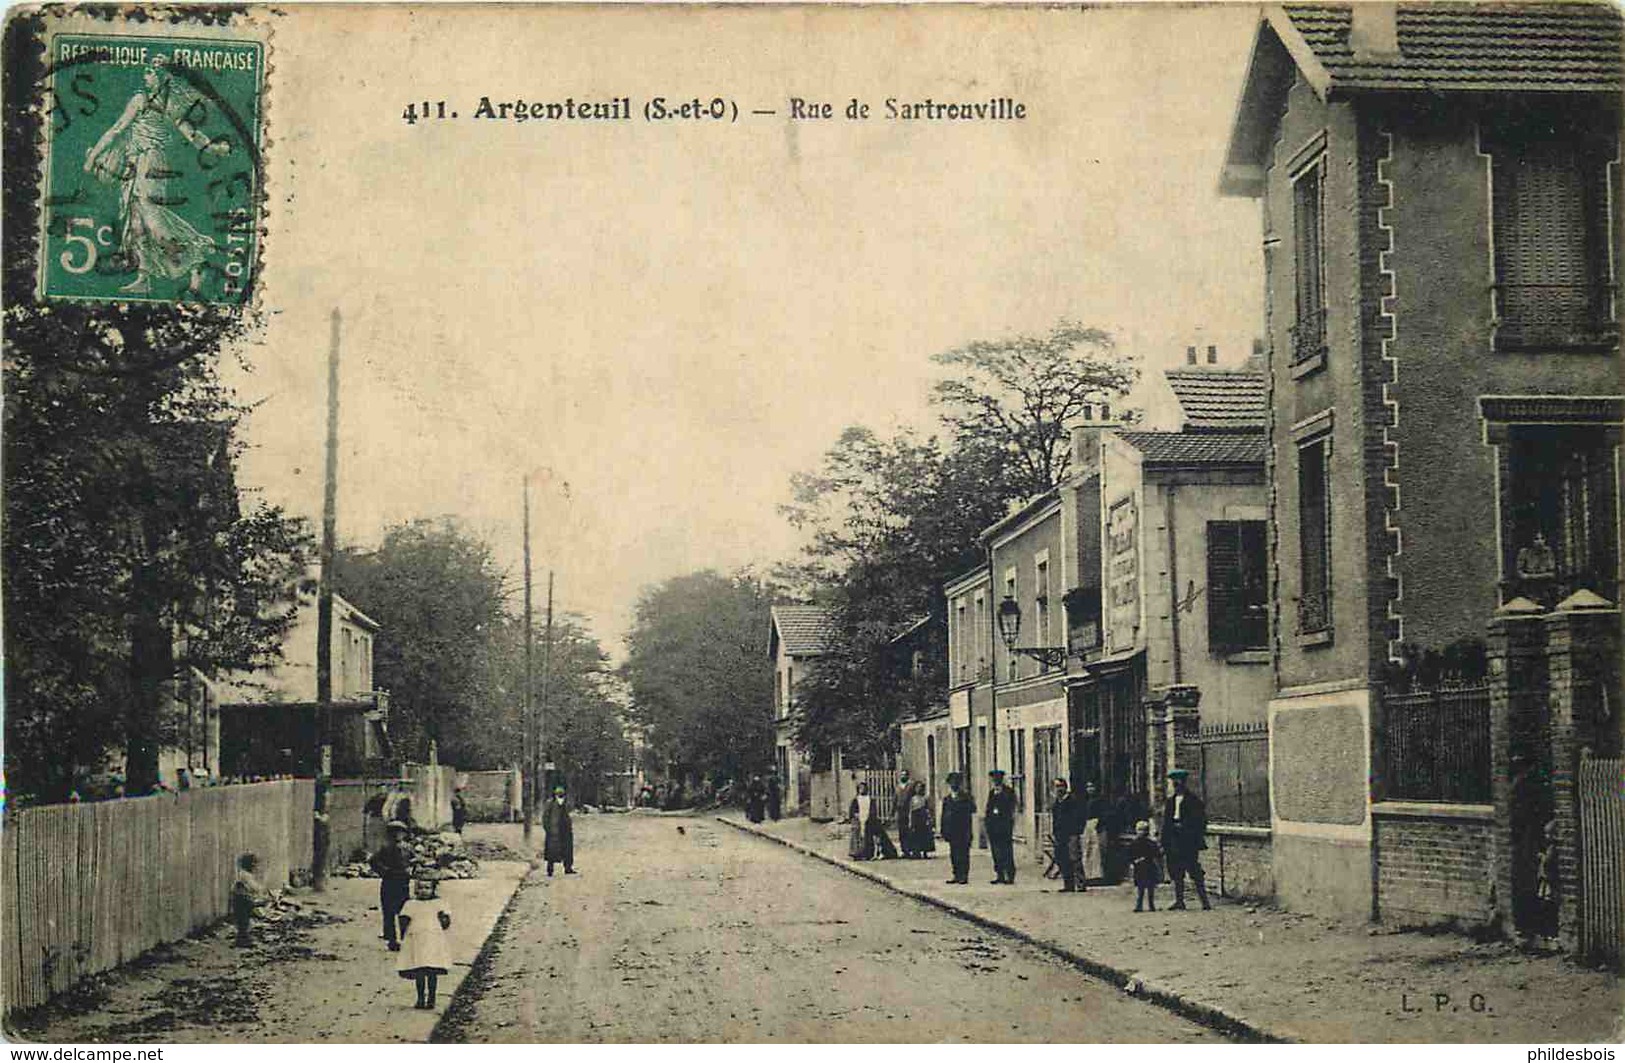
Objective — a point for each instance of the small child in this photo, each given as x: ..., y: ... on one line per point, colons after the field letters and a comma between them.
x: 1145, y: 854
x: 425, y: 953
x: 246, y: 894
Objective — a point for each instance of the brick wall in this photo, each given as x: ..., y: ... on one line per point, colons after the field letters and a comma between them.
x: 1434, y: 870
x: 1240, y: 860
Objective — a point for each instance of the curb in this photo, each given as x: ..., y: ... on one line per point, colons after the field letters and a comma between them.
x: 459, y: 1011
x: 1208, y: 1015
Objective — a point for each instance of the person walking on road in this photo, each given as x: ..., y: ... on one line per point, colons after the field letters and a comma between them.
x: 775, y: 798
x: 1184, y: 836
x: 755, y: 799
x: 958, y: 817
x: 1065, y: 824
x: 560, y: 845
x: 459, y: 810
x: 393, y: 867
x: 1000, y: 823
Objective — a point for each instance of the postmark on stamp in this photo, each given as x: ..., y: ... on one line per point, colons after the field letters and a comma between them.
x: 152, y: 164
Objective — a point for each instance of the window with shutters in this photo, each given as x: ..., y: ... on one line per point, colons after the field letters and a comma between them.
x: 1553, y: 260
x: 1237, y: 601
x: 1314, y: 539
x: 1309, y: 267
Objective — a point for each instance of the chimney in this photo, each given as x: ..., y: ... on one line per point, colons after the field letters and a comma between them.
x: 1374, y: 33
x: 1086, y: 440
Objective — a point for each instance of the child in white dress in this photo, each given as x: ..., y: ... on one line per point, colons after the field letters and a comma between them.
x: 425, y: 954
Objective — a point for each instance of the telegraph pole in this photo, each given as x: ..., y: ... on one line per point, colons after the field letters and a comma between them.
x: 324, y: 609
x: 528, y: 773
x: 547, y: 671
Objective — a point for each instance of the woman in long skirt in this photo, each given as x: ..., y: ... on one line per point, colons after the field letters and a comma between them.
x: 924, y: 842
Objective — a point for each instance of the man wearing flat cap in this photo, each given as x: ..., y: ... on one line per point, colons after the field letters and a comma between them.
x: 1184, y: 836
x: 1000, y: 822
x: 393, y: 866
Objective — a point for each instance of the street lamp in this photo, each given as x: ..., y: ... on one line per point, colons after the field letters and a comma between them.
x: 1009, y: 616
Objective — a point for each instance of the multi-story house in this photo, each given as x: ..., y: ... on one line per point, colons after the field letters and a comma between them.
x: 1440, y: 195
x: 1117, y: 614
x: 800, y: 634
x: 270, y: 722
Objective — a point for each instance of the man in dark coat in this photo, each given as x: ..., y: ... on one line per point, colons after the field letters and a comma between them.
x: 755, y: 799
x: 775, y: 797
x: 1066, y: 817
x: 958, y: 817
x: 393, y: 867
x: 1184, y: 836
x: 459, y: 810
x: 560, y: 846
x: 1000, y: 823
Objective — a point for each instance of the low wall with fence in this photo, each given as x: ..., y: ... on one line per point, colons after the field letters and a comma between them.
x: 1230, y: 769
x: 90, y: 886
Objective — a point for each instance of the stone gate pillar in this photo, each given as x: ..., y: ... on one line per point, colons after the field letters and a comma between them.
x: 1516, y: 648
x: 1582, y: 643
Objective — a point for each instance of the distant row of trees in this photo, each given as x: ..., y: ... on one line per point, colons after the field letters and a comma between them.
x: 888, y: 519
x: 451, y: 654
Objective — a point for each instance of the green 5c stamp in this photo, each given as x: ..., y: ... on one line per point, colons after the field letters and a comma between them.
x: 152, y: 168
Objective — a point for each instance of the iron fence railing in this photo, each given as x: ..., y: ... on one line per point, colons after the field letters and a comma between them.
x: 1231, y: 765
x: 1436, y: 744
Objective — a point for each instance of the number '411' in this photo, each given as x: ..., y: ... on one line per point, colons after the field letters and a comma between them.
x: 435, y: 110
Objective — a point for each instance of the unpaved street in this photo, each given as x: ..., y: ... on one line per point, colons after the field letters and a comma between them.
x: 683, y: 929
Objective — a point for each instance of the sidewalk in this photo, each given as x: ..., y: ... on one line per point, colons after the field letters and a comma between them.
x: 324, y: 975
x: 1257, y: 971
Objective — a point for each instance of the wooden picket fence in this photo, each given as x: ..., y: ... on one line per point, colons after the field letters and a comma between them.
x: 88, y: 887
x: 1602, y: 859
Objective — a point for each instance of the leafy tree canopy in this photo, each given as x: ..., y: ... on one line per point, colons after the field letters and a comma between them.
x: 700, y: 678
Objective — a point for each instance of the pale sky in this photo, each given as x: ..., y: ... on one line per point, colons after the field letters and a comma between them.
x: 660, y: 323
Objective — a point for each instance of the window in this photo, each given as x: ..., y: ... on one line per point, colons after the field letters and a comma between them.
x: 980, y: 637
x: 1558, y: 528
x: 1308, y: 241
x: 778, y: 695
x: 1553, y: 273
x: 1013, y: 662
x: 962, y: 752
x: 961, y: 644
x: 1237, y: 599
x: 1041, y: 610
x: 1018, y: 765
x: 1190, y: 355
x: 1314, y: 538
x: 1212, y: 354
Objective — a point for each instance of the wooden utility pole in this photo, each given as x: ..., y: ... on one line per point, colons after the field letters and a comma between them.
x: 528, y: 772
x: 324, y: 606
x: 547, y: 671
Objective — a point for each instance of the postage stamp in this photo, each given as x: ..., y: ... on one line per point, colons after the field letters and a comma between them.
x: 153, y: 173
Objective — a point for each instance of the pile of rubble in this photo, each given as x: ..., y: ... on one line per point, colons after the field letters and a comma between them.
x: 431, y: 856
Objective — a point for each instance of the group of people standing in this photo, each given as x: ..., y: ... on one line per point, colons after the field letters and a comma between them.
x: 1083, y: 825
x: 764, y: 800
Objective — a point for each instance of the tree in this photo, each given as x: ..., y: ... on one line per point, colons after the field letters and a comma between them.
x: 1021, y: 394
x: 437, y: 595
x: 700, y: 677
x: 891, y: 520
x: 582, y: 728
x: 130, y: 560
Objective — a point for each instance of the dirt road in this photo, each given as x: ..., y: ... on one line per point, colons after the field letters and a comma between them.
x: 683, y: 929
